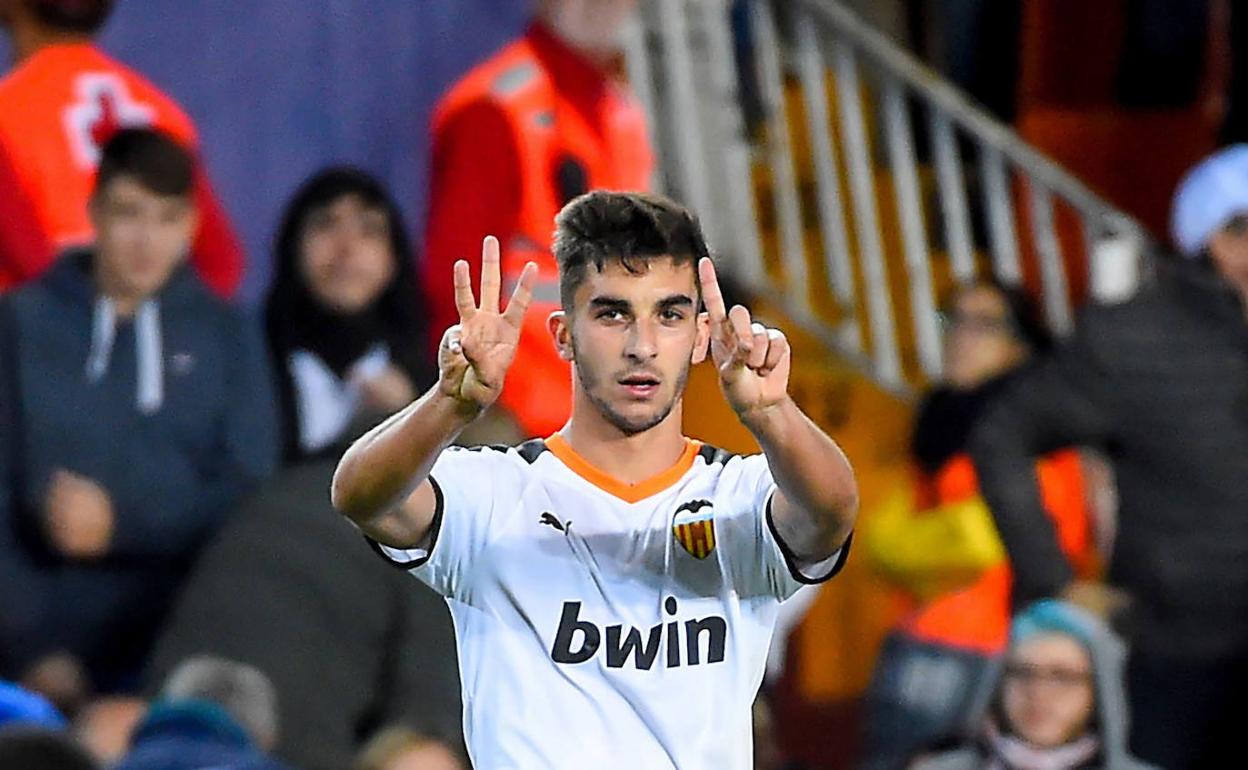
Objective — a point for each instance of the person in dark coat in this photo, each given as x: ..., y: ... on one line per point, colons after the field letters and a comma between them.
x: 212, y: 713
x: 290, y: 587
x: 135, y: 410
x: 344, y: 315
x: 1160, y: 383
x: 1056, y: 702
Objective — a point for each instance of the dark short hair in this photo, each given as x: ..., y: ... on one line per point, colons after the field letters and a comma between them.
x: 1025, y: 319
x: 84, y: 16
x: 152, y: 158
x: 625, y: 228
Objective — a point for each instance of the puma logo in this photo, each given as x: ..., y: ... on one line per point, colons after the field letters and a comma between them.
x: 551, y: 520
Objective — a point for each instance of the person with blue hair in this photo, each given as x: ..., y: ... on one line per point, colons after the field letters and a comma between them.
x: 1057, y: 702
x: 1159, y: 383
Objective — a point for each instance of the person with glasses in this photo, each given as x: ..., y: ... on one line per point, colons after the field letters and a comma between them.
x: 935, y: 541
x: 1056, y: 703
x: 1160, y: 383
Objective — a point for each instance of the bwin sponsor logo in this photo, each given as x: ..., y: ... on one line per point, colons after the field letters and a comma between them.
x: 578, y: 640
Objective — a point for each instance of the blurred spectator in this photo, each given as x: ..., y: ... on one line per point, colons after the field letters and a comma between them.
x: 37, y: 748
x: 345, y: 316
x: 937, y: 542
x: 350, y: 644
x: 21, y: 706
x: 212, y: 713
x: 1159, y: 382
x: 1057, y: 703
x: 105, y: 726
x: 401, y: 748
x: 136, y: 410
x: 58, y: 106
x: 545, y: 119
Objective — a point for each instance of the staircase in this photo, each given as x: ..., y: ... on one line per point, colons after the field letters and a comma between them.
x: 849, y: 185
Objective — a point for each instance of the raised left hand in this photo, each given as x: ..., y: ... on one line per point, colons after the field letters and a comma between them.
x: 753, y: 361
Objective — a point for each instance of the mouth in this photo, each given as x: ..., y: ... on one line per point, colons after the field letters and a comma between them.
x: 640, y: 386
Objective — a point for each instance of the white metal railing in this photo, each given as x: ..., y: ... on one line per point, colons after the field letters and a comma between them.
x: 859, y: 142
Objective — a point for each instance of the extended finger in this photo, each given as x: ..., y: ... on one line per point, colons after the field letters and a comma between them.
x: 758, y: 346
x: 491, y: 278
x: 518, y: 305
x: 743, y: 335
x: 464, y: 301
x: 777, y: 349
x: 712, y: 296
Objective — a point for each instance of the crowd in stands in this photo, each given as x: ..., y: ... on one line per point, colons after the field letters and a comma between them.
x: 177, y: 591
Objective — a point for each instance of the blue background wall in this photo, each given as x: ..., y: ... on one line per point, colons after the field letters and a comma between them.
x: 279, y: 88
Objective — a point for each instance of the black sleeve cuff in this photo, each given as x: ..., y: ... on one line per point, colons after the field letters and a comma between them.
x: 435, y: 527
x: 791, y: 561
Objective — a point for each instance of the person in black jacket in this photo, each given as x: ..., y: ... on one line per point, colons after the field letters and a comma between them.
x: 290, y: 587
x: 136, y: 409
x: 1159, y: 382
x: 344, y: 315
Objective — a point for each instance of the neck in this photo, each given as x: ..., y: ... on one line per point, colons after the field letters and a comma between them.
x: 125, y: 301
x: 605, y: 60
x: 628, y: 457
x: 28, y: 39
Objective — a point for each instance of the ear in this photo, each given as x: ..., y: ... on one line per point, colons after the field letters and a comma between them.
x: 561, y: 332
x: 702, y: 341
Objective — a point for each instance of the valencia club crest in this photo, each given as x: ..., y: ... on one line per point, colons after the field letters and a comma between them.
x: 694, y: 528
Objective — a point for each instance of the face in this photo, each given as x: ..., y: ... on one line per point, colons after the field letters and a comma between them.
x: 980, y: 342
x: 632, y: 338
x: 1228, y: 248
x: 591, y: 25
x: 426, y: 756
x: 346, y: 255
x: 1048, y: 693
x: 140, y: 236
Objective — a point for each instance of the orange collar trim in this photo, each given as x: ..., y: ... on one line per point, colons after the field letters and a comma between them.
x: 629, y: 493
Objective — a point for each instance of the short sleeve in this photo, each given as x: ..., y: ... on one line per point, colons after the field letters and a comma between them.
x: 468, y: 485
x: 761, y: 561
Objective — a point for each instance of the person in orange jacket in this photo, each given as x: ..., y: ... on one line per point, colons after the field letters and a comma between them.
x: 933, y: 664
x: 545, y: 119
x: 64, y: 99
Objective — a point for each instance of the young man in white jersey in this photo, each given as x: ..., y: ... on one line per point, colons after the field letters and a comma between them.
x: 614, y: 586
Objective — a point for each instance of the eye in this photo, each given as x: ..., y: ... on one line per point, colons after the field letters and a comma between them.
x: 671, y: 314
x: 610, y: 315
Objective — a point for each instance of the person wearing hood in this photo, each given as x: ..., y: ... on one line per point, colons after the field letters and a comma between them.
x: 1160, y: 383
x: 1056, y: 702
x: 935, y: 540
x: 135, y: 409
x: 345, y: 315
x: 212, y: 713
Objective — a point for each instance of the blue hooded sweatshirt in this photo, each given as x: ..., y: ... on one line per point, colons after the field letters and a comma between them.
x: 171, y: 411
x: 192, y: 735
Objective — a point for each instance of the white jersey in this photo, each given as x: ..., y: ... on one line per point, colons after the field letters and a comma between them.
x: 601, y: 624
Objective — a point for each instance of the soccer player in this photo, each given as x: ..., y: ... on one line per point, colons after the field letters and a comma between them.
x: 613, y: 586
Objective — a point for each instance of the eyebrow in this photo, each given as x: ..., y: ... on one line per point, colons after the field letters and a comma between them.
x: 610, y: 303
x: 674, y: 301
x: 622, y: 305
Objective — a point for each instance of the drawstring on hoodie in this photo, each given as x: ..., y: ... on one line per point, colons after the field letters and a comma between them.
x: 150, y: 391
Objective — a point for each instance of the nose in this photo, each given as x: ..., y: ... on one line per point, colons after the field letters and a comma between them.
x: 642, y: 341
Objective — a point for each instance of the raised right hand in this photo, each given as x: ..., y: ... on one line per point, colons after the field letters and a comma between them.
x: 476, y: 353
